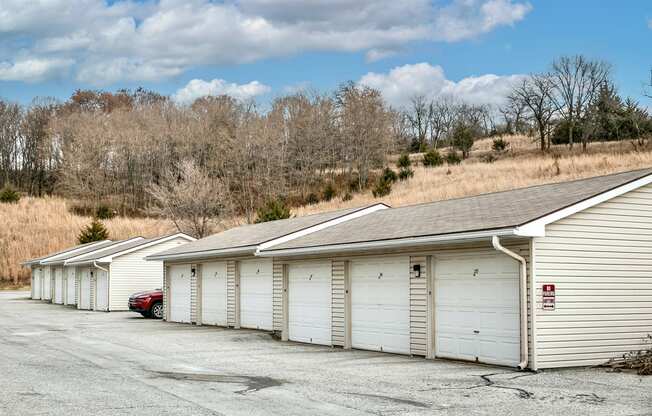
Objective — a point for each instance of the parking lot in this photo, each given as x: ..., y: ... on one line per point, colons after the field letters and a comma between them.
x: 58, y: 360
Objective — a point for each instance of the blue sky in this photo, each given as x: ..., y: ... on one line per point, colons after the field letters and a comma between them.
x: 261, y: 48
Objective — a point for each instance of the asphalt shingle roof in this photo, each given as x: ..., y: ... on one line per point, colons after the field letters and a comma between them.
x: 115, y: 249
x: 255, y: 234
x: 88, y: 248
x: 482, y: 212
x: 36, y: 260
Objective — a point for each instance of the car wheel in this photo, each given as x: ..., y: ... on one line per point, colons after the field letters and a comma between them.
x: 157, y: 311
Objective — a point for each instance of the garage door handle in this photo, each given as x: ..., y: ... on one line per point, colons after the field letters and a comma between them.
x: 476, y: 332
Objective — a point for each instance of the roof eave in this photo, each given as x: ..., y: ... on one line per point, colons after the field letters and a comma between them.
x: 203, y: 254
x: 392, y: 244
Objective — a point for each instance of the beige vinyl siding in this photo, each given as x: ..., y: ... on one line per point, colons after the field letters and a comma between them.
x: 338, y: 314
x: 277, y: 295
x: 418, y: 306
x: 600, y: 261
x: 194, y: 290
x: 166, y: 291
x: 197, y: 288
x: 231, y: 293
x: 131, y: 273
x: 93, y: 271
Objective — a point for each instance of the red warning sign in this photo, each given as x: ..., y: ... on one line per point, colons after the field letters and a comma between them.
x: 548, y: 297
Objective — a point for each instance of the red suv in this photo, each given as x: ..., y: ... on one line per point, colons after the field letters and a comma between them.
x: 149, y: 303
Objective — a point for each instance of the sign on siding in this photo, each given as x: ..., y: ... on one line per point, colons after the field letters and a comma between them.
x: 548, y: 295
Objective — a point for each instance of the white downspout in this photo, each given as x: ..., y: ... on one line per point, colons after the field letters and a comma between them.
x: 97, y: 266
x: 495, y: 241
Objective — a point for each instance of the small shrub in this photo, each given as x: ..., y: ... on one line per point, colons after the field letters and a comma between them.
x: 432, y: 159
x: 453, y: 158
x: 382, y: 188
x: 9, y: 195
x: 95, y: 231
x: 489, y: 158
x: 104, y: 212
x: 312, y: 198
x: 389, y: 175
x: 272, y: 210
x: 404, y: 161
x: 329, y: 192
x: 405, y: 173
x: 347, y: 197
x: 499, y: 145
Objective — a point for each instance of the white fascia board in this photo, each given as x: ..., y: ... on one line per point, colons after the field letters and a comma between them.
x: 203, y: 254
x: 109, y: 259
x: 537, y: 228
x: 390, y: 244
x: 46, y: 261
x: 71, y: 261
x: 319, y: 227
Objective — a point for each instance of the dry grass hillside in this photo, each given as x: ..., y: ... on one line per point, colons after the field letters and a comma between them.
x: 522, y: 165
x: 36, y: 226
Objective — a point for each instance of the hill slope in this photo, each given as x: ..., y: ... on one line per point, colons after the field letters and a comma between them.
x: 37, y: 226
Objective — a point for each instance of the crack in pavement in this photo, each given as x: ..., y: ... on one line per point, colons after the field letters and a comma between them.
x: 488, y: 382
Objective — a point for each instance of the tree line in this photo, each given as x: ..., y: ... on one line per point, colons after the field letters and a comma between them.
x: 138, y: 152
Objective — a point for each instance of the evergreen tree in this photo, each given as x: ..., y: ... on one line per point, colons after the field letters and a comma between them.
x: 95, y: 231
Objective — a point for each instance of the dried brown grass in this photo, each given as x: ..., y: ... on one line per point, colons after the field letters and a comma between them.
x: 36, y: 226
x: 522, y: 166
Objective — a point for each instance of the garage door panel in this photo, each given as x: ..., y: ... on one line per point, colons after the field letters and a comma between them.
x: 70, y: 288
x: 102, y: 291
x: 477, y: 309
x: 179, y: 296
x: 85, y: 290
x: 256, y: 285
x: 380, y: 304
x: 213, y: 301
x: 309, y: 303
x: 58, y: 286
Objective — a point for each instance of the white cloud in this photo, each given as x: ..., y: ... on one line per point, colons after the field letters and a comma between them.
x: 197, y: 88
x: 33, y: 69
x: 403, y: 83
x: 158, y: 39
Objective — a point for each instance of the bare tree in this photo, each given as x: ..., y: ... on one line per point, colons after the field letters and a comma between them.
x: 442, y: 117
x: 191, y: 199
x: 535, y: 94
x: 576, y: 81
x: 419, y: 117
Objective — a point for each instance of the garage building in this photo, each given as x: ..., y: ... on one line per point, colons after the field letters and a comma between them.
x: 63, y: 278
x: 42, y: 275
x: 218, y: 280
x: 108, y: 277
x: 554, y: 275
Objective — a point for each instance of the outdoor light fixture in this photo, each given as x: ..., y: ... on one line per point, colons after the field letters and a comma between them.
x: 417, y: 270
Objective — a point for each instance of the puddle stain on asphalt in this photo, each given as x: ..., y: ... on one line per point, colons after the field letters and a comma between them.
x: 252, y: 383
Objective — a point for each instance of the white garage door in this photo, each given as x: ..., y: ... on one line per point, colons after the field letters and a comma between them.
x: 85, y: 289
x: 101, y: 291
x: 58, y: 285
x: 179, y: 293
x: 213, y: 293
x: 256, y: 294
x: 380, y: 304
x: 70, y: 286
x: 477, y: 309
x: 36, y: 290
x: 46, y: 293
x: 309, y: 302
